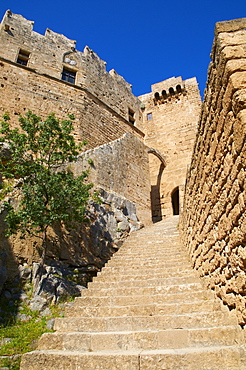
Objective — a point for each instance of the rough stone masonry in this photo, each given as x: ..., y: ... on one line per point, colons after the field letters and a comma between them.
x: 214, y: 218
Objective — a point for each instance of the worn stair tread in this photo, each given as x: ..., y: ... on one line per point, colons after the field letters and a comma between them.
x: 104, y: 276
x: 146, y: 330
x: 115, y: 276
x: 145, y: 339
x: 155, y: 275
x: 147, y: 290
x: 183, y: 321
x: 144, y: 352
x: 138, y: 309
x: 165, y: 260
x: 148, y: 270
x: 153, y: 298
x: 143, y: 282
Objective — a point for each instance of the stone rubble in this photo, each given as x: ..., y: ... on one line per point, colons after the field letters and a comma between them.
x: 111, y: 223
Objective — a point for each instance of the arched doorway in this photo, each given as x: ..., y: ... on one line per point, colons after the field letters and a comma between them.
x: 158, y: 163
x: 175, y: 201
x: 155, y: 197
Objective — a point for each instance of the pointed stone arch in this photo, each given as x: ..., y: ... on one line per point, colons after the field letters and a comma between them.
x: 158, y: 155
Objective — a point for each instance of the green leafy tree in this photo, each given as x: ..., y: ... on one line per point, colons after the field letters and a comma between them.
x: 39, y: 153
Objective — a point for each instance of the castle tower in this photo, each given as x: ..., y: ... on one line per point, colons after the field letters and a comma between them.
x: 170, y: 117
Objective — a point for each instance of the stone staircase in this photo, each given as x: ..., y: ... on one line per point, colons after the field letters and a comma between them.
x: 146, y: 310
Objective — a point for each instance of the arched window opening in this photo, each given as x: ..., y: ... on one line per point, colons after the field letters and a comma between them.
x: 171, y: 91
x: 164, y: 94
x: 178, y: 88
x: 175, y: 201
x: 157, y: 96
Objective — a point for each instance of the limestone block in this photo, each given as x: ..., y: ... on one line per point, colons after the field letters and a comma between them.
x: 230, y: 26
x: 232, y: 38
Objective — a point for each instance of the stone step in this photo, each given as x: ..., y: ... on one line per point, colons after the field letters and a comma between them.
x: 143, y: 282
x: 135, y: 323
x: 136, y: 270
x: 207, y: 358
x: 152, y: 255
x: 142, y: 260
x: 180, y: 298
x: 103, y: 276
x: 145, y: 263
x: 132, y: 249
x: 144, y: 309
x: 128, y: 340
x: 146, y: 238
x: 149, y: 256
x: 147, y: 290
x: 159, y: 232
x: 134, y: 241
x: 169, y: 245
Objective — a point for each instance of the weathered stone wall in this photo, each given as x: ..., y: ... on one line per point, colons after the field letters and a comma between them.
x: 170, y: 117
x: 100, y: 100
x: 214, y: 218
x: 121, y: 167
x: 125, y: 192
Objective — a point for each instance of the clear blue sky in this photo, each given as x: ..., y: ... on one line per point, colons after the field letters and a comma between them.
x: 144, y: 41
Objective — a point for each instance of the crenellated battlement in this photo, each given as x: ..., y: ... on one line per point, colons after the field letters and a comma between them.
x: 164, y: 91
x: 11, y: 20
x: 55, y: 55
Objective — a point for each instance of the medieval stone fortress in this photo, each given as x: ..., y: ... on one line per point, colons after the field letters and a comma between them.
x: 154, y: 156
